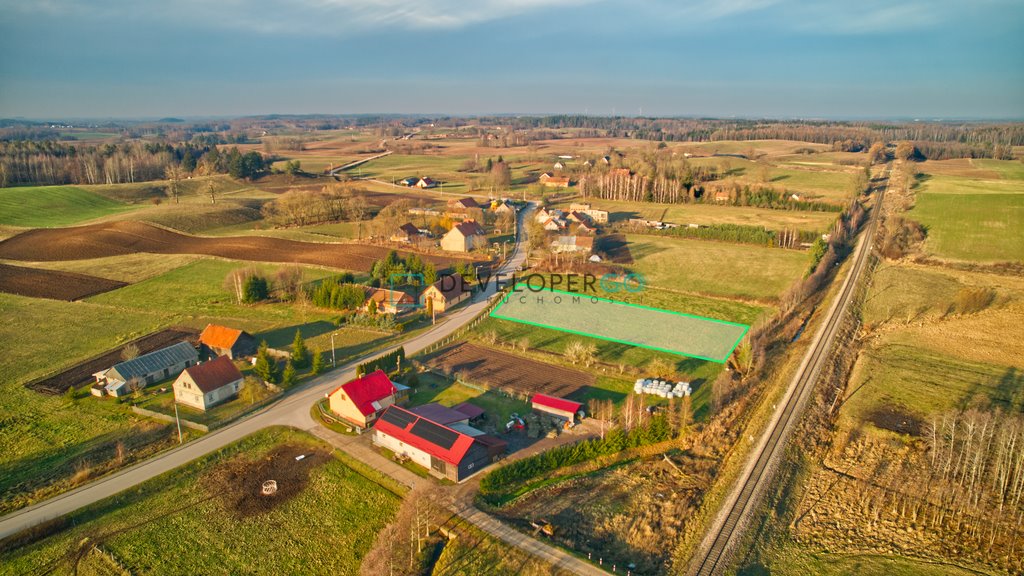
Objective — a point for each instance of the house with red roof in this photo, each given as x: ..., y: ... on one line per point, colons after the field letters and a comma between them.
x: 360, y: 401
x: 206, y: 385
x: 223, y: 341
x: 445, y: 451
x: 557, y: 407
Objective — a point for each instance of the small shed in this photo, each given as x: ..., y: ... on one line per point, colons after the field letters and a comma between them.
x: 558, y: 407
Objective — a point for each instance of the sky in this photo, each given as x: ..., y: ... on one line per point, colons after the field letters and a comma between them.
x: 927, y: 59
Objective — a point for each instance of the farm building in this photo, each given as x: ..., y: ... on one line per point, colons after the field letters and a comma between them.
x: 585, y: 228
x: 223, y: 341
x: 444, y: 451
x: 362, y: 400
x: 208, y: 384
x: 549, y: 179
x: 464, y: 237
x: 410, y: 181
x: 463, y: 204
x: 573, y: 244
x: 447, y: 292
x: 473, y: 412
x: 389, y: 301
x: 558, y: 407
x: 426, y: 183
x: 406, y: 233
x: 146, y: 369
x: 440, y: 414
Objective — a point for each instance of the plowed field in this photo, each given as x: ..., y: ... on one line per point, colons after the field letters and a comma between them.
x: 119, y: 238
x: 509, y: 372
x: 52, y: 284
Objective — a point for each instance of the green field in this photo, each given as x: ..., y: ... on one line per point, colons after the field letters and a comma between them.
x: 196, y: 290
x: 631, y: 324
x: 172, y: 525
x: 976, y: 216
x: 716, y: 268
x: 707, y: 214
x: 52, y: 206
x: 50, y: 433
x: 981, y: 227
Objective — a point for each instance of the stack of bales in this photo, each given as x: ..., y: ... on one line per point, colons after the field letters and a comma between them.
x: 662, y: 388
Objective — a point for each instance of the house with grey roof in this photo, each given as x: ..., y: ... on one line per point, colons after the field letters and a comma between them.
x: 120, y: 379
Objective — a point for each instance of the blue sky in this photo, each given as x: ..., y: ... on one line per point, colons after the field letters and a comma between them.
x: 778, y: 58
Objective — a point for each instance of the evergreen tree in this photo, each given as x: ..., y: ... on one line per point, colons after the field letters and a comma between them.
x: 255, y: 289
x: 318, y: 363
x: 288, y: 378
x: 300, y: 354
x: 266, y: 366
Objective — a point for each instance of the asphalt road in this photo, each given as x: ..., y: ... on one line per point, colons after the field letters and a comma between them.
x: 292, y: 410
x: 759, y: 469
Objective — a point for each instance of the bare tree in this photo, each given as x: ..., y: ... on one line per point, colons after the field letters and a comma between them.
x: 130, y: 351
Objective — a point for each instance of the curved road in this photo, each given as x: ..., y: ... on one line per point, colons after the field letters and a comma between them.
x: 758, y: 472
x: 292, y: 410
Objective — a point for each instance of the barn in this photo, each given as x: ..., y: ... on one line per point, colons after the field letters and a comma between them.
x: 558, y: 407
x: 223, y: 341
x: 144, y: 370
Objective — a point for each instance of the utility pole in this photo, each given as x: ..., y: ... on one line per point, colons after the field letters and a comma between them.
x: 178, y: 421
x: 333, y: 360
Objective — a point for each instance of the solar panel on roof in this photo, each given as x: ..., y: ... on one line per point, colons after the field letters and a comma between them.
x: 398, y: 418
x: 437, y: 435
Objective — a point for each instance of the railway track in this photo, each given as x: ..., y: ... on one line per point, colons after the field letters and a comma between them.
x: 742, y: 502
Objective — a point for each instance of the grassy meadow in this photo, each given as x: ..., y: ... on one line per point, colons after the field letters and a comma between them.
x: 716, y: 268
x: 53, y: 206
x: 173, y: 524
x: 974, y: 210
x: 707, y: 214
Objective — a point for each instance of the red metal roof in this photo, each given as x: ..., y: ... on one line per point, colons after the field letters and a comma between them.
x: 452, y: 455
x: 363, y: 392
x: 211, y: 375
x: 556, y: 403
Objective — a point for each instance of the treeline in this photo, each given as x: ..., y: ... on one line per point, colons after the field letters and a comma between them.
x: 411, y: 270
x: 390, y: 362
x: 338, y: 292
x: 852, y: 136
x: 50, y: 163
x: 760, y: 196
x: 739, y: 233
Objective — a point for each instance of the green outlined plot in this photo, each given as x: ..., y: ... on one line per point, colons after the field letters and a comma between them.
x: 665, y: 330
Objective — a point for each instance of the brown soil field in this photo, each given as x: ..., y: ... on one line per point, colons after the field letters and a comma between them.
x: 53, y: 284
x: 81, y: 373
x: 509, y: 372
x: 238, y: 484
x: 119, y: 238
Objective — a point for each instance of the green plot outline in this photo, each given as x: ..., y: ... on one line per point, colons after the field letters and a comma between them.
x: 505, y: 300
